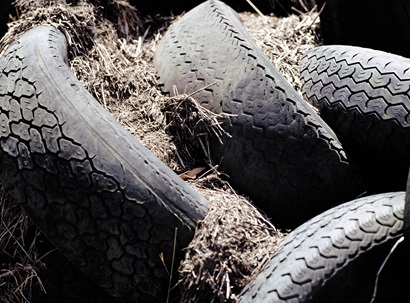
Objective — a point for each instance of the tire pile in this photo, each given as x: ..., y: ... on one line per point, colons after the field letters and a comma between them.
x: 337, y: 178
x: 359, y: 139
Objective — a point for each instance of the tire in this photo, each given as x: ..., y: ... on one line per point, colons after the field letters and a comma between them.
x: 363, y: 95
x: 279, y: 152
x: 329, y: 247
x: 98, y: 195
x: 63, y: 282
x: 377, y: 24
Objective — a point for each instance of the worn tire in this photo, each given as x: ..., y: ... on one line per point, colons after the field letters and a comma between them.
x: 63, y: 282
x: 100, y: 196
x: 332, y: 246
x: 280, y: 153
x: 363, y: 95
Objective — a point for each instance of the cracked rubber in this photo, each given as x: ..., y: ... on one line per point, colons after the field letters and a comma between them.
x: 98, y: 195
x: 364, y: 95
x: 280, y: 152
x: 328, y: 247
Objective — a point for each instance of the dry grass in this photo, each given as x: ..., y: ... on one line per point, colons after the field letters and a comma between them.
x: 19, y: 261
x: 232, y: 245
x: 284, y: 40
x: 111, y: 53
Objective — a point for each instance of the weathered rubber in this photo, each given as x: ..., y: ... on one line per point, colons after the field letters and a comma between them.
x: 363, y: 95
x: 280, y: 152
x: 324, y: 247
x: 101, y: 197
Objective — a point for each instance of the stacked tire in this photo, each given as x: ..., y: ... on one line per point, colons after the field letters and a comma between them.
x: 112, y: 207
x: 103, y: 199
x: 362, y: 100
x: 276, y: 150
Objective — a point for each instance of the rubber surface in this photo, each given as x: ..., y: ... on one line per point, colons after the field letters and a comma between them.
x: 280, y: 152
x: 101, y: 197
x: 63, y: 281
x: 363, y: 95
x: 323, y: 248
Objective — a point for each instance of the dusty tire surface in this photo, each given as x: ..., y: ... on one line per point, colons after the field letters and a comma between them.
x: 363, y: 95
x: 357, y: 232
x: 98, y: 195
x: 280, y: 153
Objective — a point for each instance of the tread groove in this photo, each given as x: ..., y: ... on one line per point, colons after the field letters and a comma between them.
x: 270, y: 128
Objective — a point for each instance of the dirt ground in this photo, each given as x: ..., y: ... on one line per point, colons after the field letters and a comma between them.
x: 112, y: 48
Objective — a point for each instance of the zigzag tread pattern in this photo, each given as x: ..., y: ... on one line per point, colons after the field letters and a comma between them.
x: 371, y: 81
x: 316, y: 251
x: 209, y: 54
x: 101, y: 197
x: 364, y: 95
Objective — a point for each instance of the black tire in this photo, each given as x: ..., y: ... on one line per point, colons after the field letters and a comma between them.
x: 101, y: 197
x: 378, y: 24
x: 63, y: 282
x: 280, y: 152
x: 363, y: 95
x: 330, y: 246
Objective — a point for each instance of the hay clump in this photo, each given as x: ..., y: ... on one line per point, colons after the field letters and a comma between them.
x: 85, y: 24
x: 192, y: 127
x: 111, y: 53
x: 235, y: 241
x: 79, y: 19
x: 19, y: 260
x: 232, y: 245
x: 285, y: 40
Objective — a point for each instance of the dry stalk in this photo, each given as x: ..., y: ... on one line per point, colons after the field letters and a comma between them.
x: 285, y: 40
x: 19, y: 261
x: 193, y: 127
x: 232, y: 245
x: 376, y: 282
x: 111, y: 51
